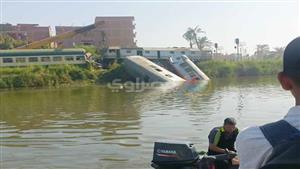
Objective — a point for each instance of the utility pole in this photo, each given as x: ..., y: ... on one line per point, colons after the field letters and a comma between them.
x: 216, y: 47
x: 237, y: 42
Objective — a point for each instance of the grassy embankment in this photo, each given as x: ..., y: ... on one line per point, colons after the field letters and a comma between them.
x: 60, y: 75
x: 38, y: 76
x: 256, y: 67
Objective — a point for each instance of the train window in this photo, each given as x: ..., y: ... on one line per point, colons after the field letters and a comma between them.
x: 79, y: 58
x: 193, y: 52
x: 33, y: 59
x: 147, y: 51
x: 57, y: 58
x: 20, y: 60
x: 87, y: 43
x: 182, y: 52
x: 69, y: 58
x: 157, y: 69
x: 128, y: 51
x: 45, y: 59
x: 168, y: 75
x: 7, y: 60
x: 172, y: 52
x: 112, y: 51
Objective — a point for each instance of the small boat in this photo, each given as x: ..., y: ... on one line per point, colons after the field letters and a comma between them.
x: 187, y: 69
x: 147, y: 71
x: 176, y: 155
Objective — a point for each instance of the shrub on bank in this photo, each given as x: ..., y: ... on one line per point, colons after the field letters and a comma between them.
x: 55, y: 75
x: 116, y: 71
x: 37, y: 76
x: 227, y: 68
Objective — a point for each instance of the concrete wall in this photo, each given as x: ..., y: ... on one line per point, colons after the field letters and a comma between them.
x: 26, y: 32
x: 116, y: 31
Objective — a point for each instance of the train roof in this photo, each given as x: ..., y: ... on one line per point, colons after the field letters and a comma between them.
x: 40, y: 52
x: 157, y: 48
x: 171, y: 49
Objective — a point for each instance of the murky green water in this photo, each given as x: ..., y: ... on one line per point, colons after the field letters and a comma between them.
x: 93, y: 127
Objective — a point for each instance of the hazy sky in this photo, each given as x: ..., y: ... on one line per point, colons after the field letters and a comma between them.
x: 162, y: 23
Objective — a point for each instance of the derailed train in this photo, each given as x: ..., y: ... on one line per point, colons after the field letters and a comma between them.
x: 182, y: 69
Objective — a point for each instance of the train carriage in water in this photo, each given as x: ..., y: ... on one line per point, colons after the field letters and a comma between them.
x: 26, y: 57
x: 176, y: 60
x: 187, y: 69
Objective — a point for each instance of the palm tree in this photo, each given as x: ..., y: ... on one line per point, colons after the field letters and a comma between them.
x: 192, y: 36
x: 189, y: 36
x: 203, y: 42
x: 196, y: 32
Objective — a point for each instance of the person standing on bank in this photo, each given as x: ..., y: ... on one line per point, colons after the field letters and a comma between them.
x: 276, y: 145
x: 222, y: 139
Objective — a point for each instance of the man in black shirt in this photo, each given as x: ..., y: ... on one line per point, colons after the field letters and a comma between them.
x: 221, y: 140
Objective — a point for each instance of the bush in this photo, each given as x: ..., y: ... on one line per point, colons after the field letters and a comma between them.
x: 3, y: 84
x: 116, y: 71
x: 77, y: 74
x: 224, y: 68
x: 37, y: 76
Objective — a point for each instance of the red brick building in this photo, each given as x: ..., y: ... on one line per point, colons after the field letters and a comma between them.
x: 26, y: 32
x: 115, y: 31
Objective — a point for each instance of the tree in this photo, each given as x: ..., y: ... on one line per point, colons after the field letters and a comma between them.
x: 192, y: 35
x: 262, y: 50
x: 279, y: 50
x: 189, y: 36
x: 277, y: 53
x: 203, y: 42
x: 7, y: 42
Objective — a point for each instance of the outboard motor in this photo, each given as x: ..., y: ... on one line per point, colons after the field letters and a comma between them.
x: 184, y: 156
x: 174, y: 155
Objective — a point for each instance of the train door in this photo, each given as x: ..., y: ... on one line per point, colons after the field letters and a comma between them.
x: 118, y: 54
x: 139, y: 52
x: 158, y: 54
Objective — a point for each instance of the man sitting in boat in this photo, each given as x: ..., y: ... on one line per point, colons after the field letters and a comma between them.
x: 222, y: 139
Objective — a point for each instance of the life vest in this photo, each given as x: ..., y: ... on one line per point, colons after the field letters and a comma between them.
x: 221, y: 141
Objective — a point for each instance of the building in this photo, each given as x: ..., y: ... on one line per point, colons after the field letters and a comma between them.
x: 115, y: 31
x: 26, y: 32
x: 26, y: 57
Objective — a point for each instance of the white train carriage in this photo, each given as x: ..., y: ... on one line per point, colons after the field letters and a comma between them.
x: 117, y: 52
x: 147, y: 71
x: 155, y: 53
x: 187, y: 69
x: 151, y: 54
x: 26, y: 57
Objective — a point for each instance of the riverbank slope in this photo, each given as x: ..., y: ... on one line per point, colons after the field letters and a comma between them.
x: 61, y: 75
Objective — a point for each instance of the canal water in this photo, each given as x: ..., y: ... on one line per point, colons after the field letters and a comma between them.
x: 95, y: 127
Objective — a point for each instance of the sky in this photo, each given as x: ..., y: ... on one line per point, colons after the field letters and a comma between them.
x: 162, y: 23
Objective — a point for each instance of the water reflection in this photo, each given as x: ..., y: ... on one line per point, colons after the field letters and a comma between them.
x: 95, y: 127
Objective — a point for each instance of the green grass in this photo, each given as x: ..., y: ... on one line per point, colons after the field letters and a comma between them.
x: 38, y: 76
x: 255, y: 67
x: 57, y: 75
x: 116, y: 71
